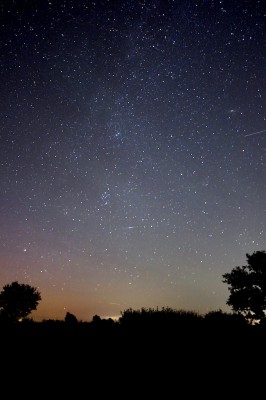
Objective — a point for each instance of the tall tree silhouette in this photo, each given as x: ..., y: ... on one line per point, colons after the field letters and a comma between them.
x: 247, y: 286
x: 17, y: 300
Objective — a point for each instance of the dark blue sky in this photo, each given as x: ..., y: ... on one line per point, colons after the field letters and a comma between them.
x: 133, y: 144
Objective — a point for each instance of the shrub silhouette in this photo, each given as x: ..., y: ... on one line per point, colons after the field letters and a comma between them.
x: 71, y: 319
x: 220, y: 319
x: 96, y: 320
x: 150, y: 317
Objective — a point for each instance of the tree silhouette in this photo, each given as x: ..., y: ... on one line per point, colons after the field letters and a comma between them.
x: 96, y: 320
x: 17, y: 300
x: 71, y: 319
x: 247, y: 286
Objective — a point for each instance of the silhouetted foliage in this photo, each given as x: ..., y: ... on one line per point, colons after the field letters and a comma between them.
x: 221, y: 319
x: 71, y: 319
x: 150, y: 317
x: 17, y: 300
x: 96, y: 319
x: 247, y: 286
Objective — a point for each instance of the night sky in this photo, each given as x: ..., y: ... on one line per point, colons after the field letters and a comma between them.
x: 133, y: 151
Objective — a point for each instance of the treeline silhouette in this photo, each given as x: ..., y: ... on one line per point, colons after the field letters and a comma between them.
x: 146, y: 350
x: 144, y: 327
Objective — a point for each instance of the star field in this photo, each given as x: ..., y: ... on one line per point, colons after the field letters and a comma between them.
x: 133, y: 144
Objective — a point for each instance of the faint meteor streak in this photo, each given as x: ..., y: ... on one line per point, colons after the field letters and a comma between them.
x: 255, y: 133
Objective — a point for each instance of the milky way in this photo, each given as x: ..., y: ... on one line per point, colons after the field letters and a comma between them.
x: 132, y: 173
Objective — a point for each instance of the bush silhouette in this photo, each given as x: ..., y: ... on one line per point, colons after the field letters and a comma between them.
x: 70, y: 319
x: 151, y: 317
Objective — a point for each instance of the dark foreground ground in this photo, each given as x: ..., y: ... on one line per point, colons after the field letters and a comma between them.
x: 142, y: 361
